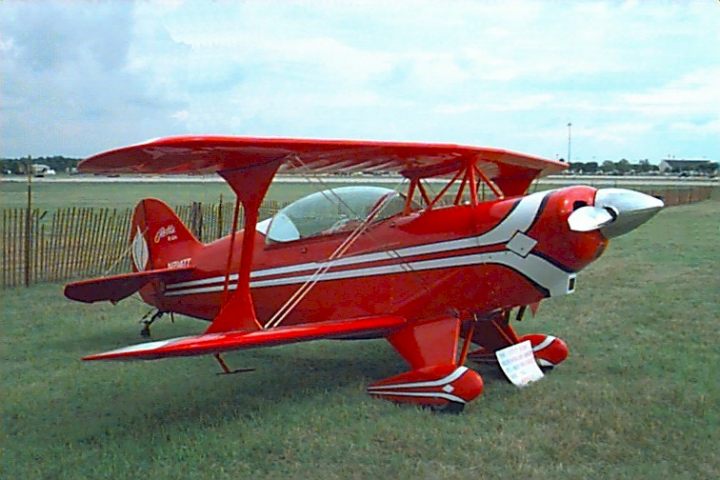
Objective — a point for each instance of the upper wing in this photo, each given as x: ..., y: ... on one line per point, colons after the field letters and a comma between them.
x: 207, y: 154
x: 213, y: 343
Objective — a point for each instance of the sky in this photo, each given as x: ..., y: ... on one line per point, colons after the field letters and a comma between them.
x: 637, y: 80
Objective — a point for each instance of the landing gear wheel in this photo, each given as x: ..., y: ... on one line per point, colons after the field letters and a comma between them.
x: 450, y: 408
x: 549, y: 351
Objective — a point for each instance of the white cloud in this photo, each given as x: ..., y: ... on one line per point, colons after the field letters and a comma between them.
x: 703, y: 128
x: 501, y: 103
x: 181, y: 115
x: 694, y: 93
x: 621, y: 133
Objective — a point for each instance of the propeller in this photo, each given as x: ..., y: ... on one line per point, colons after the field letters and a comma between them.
x: 587, y: 219
x: 616, y: 212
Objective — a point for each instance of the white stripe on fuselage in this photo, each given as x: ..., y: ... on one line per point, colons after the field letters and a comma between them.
x: 536, y: 268
x: 519, y: 220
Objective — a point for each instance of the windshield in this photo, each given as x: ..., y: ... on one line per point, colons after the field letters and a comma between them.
x: 332, y: 211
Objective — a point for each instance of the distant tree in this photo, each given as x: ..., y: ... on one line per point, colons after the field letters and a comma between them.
x: 590, y: 167
x: 8, y: 165
x: 576, y: 167
x: 644, y: 166
x: 57, y: 163
x: 623, y: 166
x: 608, y: 166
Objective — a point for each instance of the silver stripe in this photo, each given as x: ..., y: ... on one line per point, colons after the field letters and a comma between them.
x: 446, y: 396
x: 548, y: 340
x: 544, y: 273
x: 457, y: 373
x: 520, y: 219
x: 204, y: 281
x: 147, y: 347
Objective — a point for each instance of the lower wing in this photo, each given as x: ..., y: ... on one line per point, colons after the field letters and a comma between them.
x: 214, y: 343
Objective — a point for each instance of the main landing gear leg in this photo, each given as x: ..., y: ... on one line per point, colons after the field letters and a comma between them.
x: 436, y: 380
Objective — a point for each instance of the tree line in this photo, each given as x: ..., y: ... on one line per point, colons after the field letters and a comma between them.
x: 57, y: 163
x: 621, y: 167
x: 624, y: 167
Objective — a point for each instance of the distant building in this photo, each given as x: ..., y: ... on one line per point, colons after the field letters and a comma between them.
x: 40, y: 170
x: 687, y: 166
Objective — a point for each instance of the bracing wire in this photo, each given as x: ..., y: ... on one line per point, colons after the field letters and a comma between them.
x: 362, y: 228
x: 305, y: 288
x: 122, y: 255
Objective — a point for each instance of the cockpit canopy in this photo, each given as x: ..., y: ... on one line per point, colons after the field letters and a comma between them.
x: 333, y: 211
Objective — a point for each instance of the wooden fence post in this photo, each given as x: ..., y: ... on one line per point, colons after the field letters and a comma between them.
x: 36, y: 247
x: 103, y: 234
x: 52, y: 243
x: 4, y: 248
x: 43, y: 264
x: 28, y: 213
x: 14, y: 248
x: 219, y: 218
x: 199, y: 220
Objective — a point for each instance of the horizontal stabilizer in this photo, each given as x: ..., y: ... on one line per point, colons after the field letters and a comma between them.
x: 117, y: 287
x: 213, y: 343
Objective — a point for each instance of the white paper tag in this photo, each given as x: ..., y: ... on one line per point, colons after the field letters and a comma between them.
x: 518, y: 363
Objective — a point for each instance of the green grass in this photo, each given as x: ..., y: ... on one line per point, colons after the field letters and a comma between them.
x: 637, y: 398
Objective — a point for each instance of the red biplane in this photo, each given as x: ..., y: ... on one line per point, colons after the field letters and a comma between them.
x: 432, y: 272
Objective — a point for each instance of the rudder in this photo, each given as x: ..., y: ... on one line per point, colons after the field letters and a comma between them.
x: 159, y: 238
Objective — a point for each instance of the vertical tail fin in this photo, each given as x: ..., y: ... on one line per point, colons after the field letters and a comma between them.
x: 159, y: 238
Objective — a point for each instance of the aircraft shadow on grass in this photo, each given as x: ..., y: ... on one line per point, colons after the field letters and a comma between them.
x: 283, y: 376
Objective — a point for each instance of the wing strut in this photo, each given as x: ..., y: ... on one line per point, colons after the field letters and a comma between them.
x: 250, y: 185
x: 467, y: 174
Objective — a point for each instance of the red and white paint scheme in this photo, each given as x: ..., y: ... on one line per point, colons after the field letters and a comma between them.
x: 431, y: 276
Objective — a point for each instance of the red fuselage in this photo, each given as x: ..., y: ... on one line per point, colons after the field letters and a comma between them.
x: 448, y: 260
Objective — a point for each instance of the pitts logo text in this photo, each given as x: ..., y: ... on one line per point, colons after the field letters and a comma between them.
x: 166, y: 232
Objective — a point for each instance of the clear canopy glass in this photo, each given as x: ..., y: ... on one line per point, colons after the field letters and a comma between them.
x: 333, y: 211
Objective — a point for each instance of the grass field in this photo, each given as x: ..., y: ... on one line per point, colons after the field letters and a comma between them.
x: 638, y: 398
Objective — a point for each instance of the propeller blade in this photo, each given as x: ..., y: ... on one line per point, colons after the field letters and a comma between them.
x: 586, y: 219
